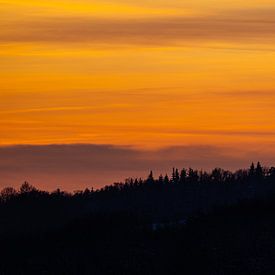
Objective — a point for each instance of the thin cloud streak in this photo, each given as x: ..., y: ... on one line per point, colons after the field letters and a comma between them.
x: 240, y: 26
x: 73, y: 167
x: 53, y: 109
x: 60, y: 109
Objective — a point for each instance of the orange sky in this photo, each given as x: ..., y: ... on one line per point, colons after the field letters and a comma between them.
x: 149, y: 74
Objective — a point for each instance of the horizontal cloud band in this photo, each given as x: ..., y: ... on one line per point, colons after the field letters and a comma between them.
x: 242, y: 26
x: 75, y: 167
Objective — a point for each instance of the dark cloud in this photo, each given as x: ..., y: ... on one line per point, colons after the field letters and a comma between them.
x: 74, y: 167
x: 243, y: 26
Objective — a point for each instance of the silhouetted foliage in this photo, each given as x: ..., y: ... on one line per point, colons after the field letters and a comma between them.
x: 194, y: 222
x: 27, y: 188
x: 8, y: 193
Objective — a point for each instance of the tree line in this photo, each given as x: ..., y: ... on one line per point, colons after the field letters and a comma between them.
x: 169, y: 197
x: 255, y: 174
x: 229, y: 226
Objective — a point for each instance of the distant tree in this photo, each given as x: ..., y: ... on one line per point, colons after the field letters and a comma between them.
x: 161, y: 180
x: 87, y: 192
x: 241, y: 175
x: 7, y: 193
x: 27, y: 188
x: 129, y: 182
x: 175, y: 176
x: 217, y: 175
x: 150, y: 179
x: 227, y: 176
x: 56, y: 193
x: 136, y: 183
x: 251, y: 172
x: 166, y: 180
x: 183, y: 175
x: 259, y: 171
x: 193, y: 176
x: 272, y: 172
x: 204, y: 177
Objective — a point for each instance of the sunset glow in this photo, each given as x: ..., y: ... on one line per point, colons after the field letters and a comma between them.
x: 144, y: 74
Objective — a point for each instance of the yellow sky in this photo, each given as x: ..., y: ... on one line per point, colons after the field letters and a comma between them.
x: 142, y: 73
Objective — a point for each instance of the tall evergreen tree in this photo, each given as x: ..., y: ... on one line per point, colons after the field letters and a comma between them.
x: 150, y: 179
x: 252, y: 170
x: 259, y: 171
x: 183, y: 175
x: 166, y: 179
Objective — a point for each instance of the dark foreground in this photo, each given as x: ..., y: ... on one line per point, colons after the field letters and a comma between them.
x: 217, y: 225
x: 234, y: 240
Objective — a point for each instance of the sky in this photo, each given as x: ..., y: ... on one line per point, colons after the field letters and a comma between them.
x: 87, y: 81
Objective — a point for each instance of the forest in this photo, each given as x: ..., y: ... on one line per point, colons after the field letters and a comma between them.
x: 189, y: 222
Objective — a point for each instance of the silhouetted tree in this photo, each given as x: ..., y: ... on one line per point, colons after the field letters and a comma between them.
x: 252, y: 170
x: 166, y: 180
x: 193, y: 176
x: 183, y: 175
x: 259, y: 172
x: 216, y: 175
x: 272, y: 172
x: 27, y: 188
x: 8, y: 193
x: 150, y: 180
x: 161, y: 180
x: 175, y: 176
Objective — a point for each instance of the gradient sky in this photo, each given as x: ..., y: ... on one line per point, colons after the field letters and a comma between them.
x: 140, y: 76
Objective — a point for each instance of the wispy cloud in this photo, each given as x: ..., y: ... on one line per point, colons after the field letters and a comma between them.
x: 78, y: 166
x: 239, y: 26
x: 38, y: 110
x: 64, y: 109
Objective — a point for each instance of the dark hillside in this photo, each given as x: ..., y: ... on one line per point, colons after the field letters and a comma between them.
x: 191, y: 223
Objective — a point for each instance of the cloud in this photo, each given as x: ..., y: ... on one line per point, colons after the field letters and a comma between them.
x: 73, y: 167
x: 235, y: 26
x: 52, y: 109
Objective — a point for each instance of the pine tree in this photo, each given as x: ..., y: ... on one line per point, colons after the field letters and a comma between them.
x: 161, y: 180
x: 175, y: 176
x: 259, y: 171
x: 252, y: 170
x: 166, y: 179
x: 150, y: 179
x: 183, y: 175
